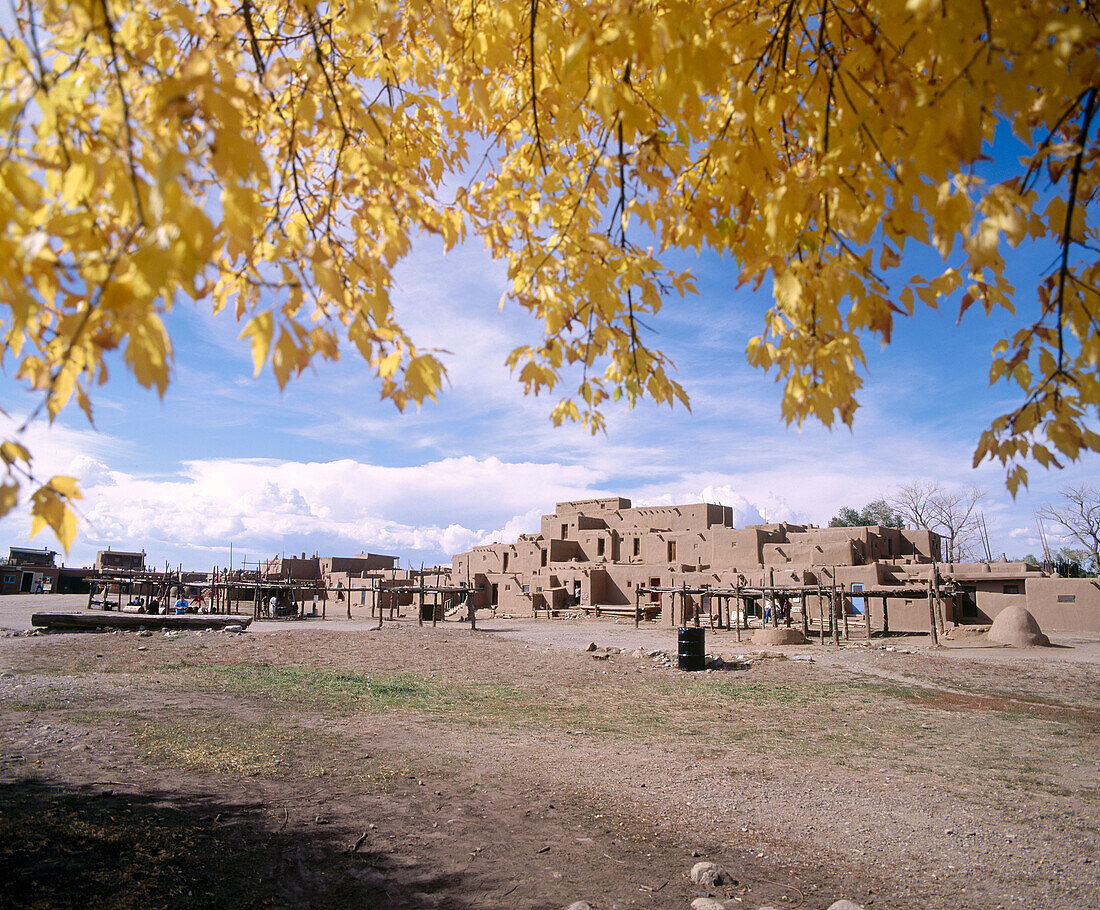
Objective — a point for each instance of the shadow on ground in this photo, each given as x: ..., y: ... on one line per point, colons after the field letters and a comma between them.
x: 87, y: 847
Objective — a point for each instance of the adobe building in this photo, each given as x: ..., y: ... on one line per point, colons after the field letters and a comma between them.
x: 592, y: 555
x: 364, y: 582
x: 120, y: 561
x: 31, y: 571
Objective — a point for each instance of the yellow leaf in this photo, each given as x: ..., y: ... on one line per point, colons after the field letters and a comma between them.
x: 261, y: 329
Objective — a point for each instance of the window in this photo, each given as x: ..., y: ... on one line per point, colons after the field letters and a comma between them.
x: 505, y: 562
x: 1067, y: 598
x: 1011, y: 589
x: 526, y: 589
x: 672, y: 551
x: 565, y: 532
x: 9, y: 579
x: 544, y: 557
x: 630, y: 584
x: 507, y: 587
x: 538, y: 589
x: 599, y: 547
x: 637, y: 546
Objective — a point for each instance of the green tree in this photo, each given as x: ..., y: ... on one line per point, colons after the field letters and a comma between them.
x: 878, y: 513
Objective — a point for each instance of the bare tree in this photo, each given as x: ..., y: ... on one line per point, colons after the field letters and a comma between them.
x: 950, y: 513
x: 913, y: 501
x: 1079, y: 516
x: 955, y: 515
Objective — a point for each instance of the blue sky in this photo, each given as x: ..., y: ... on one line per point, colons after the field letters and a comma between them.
x: 326, y: 467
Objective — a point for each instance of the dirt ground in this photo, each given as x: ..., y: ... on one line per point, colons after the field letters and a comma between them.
x: 320, y: 764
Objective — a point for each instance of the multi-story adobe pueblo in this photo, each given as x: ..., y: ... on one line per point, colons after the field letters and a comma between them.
x: 596, y: 553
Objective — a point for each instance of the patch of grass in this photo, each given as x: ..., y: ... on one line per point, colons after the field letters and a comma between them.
x: 225, y: 745
x: 310, y: 687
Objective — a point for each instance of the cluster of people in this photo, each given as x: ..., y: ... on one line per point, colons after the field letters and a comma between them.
x: 782, y: 608
x: 181, y: 605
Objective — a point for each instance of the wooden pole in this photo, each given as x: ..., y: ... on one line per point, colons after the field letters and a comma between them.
x: 637, y: 606
x: 844, y: 613
x: 867, y: 615
x: 941, y: 620
x: 932, y: 615
x: 885, y: 616
x: 821, y: 614
x: 834, y: 625
x: 737, y: 601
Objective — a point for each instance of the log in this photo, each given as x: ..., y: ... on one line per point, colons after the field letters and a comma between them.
x: 82, y: 622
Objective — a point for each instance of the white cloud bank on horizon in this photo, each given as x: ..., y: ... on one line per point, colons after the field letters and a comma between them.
x: 190, y: 512
x: 263, y: 507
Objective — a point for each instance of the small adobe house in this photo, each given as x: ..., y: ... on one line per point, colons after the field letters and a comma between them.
x: 593, y: 555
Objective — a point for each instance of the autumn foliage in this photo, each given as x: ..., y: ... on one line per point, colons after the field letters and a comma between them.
x: 280, y: 158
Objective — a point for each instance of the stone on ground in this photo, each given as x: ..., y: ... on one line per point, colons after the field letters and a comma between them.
x: 707, y: 903
x: 710, y: 875
x: 580, y: 905
x: 845, y: 905
x: 1017, y: 628
x: 781, y: 636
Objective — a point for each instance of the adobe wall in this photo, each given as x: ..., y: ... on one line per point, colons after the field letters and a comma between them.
x: 607, y: 504
x: 740, y: 548
x: 922, y: 543
x: 905, y: 615
x: 812, y: 552
x: 564, y: 550
x: 1048, y: 601
x: 692, y: 517
x: 598, y: 546
x: 297, y: 569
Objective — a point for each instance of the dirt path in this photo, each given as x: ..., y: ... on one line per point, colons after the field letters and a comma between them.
x: 470, y: 770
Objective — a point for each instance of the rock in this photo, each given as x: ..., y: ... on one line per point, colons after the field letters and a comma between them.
x: 580, y: 905
x: 233, y: 627
x: 144, y: 633
x: 707, y: 903
x: 1017, y: 628
x: 845, y: 905
x: 710, y: 875
x: 591, y: 646
x: 782, y: 636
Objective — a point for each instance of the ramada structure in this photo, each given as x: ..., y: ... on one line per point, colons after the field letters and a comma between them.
x: 594, y: 555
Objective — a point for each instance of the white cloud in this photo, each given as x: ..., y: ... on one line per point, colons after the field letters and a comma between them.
x: 263, y: 506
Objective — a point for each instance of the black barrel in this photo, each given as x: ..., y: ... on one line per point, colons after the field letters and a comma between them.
x: 693, y: 648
